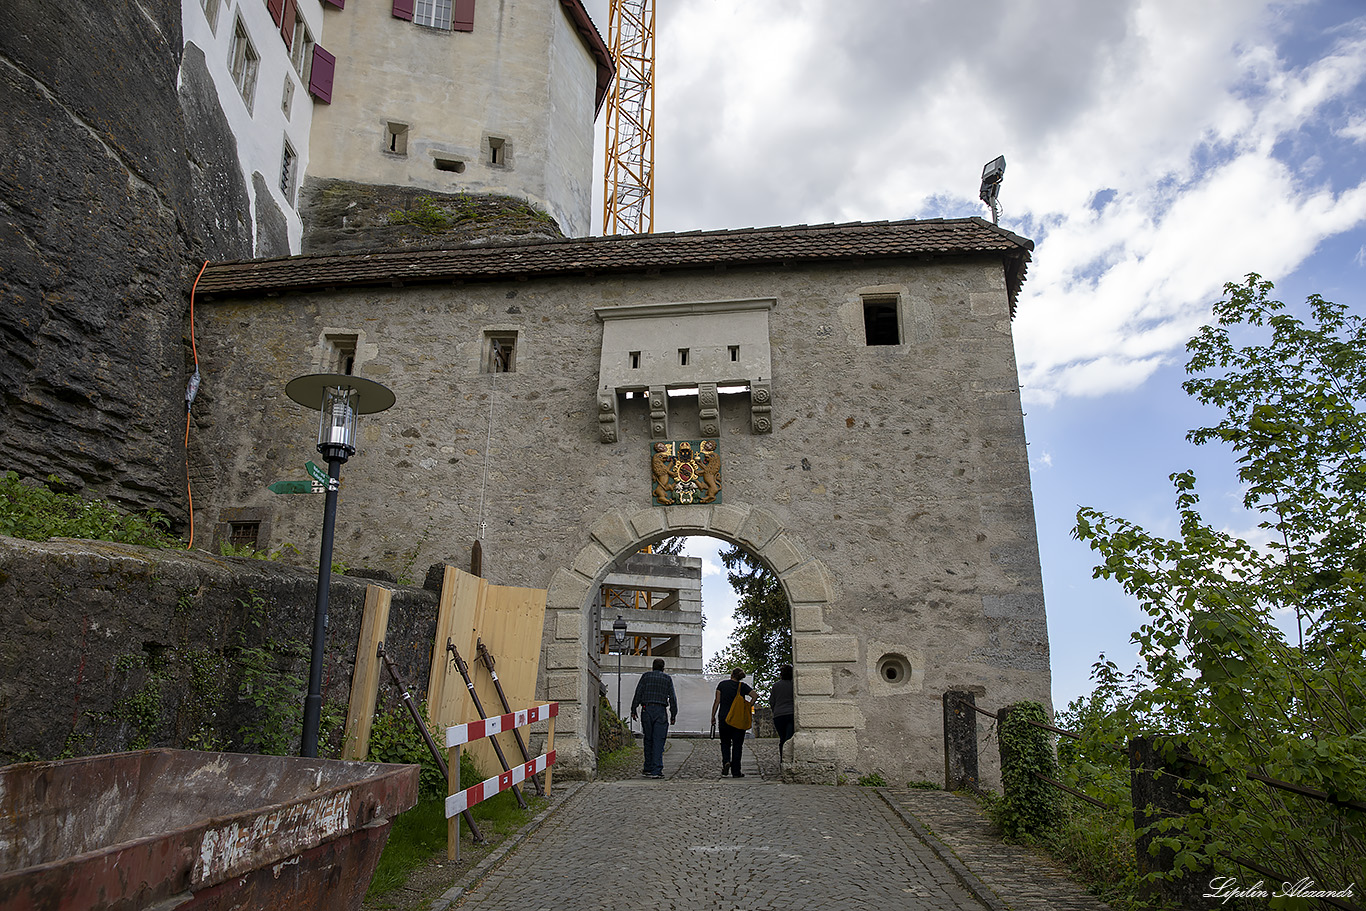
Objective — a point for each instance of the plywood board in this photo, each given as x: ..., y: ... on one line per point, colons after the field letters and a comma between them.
x: 365, y: 677
x: 509, y: 620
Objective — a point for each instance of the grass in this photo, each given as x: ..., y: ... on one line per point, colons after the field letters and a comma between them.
x: 419, y: 836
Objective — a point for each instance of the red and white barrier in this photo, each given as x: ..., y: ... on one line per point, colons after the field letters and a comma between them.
x: 460, y: 802
x: 459, y: 734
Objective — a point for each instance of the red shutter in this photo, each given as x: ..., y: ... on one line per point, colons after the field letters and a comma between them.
x: 287, y: 23
x: 339, y: 4
x: 462, y: 16
x: 320, y: 79
x: 403, y: 9
x: 276, y: 7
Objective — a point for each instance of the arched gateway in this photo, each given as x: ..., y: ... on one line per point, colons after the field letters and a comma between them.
x: 841, y: 400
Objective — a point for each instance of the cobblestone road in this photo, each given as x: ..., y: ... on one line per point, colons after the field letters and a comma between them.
x: 702, y: 843
x: 721, y: 846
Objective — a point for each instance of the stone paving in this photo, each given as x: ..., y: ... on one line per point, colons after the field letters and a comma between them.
x: 702, y: 843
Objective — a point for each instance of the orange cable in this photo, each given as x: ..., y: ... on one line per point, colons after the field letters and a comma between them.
x: 189, y: 493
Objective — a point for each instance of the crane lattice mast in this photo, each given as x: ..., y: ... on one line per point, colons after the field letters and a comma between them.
x: 628, y: 177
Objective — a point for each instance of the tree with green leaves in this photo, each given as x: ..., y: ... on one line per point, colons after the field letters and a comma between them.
x: 1215, y: 669
x: 762, y: 641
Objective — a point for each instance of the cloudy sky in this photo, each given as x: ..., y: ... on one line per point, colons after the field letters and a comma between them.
x: 1155, y: 150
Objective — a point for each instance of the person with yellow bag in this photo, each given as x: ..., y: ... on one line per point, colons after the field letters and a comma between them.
x: 735, y: 701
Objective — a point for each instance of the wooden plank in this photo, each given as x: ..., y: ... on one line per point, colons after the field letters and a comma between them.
x: 365, y: 677
x: 453, y: 787
x: 446, y: 695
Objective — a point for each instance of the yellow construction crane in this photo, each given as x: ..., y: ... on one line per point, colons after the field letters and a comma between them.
x: 628, y: 183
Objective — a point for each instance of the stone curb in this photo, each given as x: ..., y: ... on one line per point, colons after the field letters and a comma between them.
x: 970, y: 881
x: 496, y: 857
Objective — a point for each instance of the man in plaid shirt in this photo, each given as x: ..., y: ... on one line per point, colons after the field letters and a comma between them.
x: 655, y: 692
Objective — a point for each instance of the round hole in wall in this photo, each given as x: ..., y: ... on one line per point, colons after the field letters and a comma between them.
x: 894, y: 669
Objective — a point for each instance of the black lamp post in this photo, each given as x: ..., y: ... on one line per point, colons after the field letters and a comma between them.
x: 619, y: 636
x: 339, y: 399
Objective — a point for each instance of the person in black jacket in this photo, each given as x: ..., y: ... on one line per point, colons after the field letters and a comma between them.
x: 732, y: 739
x: 782, y: 702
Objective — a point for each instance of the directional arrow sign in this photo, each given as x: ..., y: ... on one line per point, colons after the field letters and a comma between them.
x: 291, y: 487
x: 316, y: 473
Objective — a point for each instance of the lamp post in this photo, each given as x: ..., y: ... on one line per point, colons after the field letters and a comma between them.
x: 339, y: 399
x: 619, y: 636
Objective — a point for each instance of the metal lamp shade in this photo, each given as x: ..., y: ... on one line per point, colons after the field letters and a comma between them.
x: 340, y: 399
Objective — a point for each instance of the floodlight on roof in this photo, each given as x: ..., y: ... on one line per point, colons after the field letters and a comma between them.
x: 991, y: 185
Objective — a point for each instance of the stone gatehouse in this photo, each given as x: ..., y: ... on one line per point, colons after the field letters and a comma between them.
x: 857, y: 381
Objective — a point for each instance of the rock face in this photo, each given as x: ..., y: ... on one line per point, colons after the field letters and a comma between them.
x: 342, y: 216
x: 106, y: 210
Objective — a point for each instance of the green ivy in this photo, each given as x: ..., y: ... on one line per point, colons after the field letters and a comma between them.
x: 37, y: 512
x: 1028, y: 806
x: 394, y: 737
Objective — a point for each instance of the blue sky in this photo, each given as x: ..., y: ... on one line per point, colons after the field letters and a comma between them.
x: 1155, y: 150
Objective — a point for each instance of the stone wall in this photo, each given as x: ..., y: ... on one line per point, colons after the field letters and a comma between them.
x: 892, y: 496
x: 111, y: 647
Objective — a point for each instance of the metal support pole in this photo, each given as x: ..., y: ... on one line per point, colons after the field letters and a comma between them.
x: 313, y: 702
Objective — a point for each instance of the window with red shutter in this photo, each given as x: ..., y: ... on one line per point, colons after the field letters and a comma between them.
x: 403, y: 9
x: 339, y: 4
x: 320, y: 75
x: 277, y: 8
x: 462, y: 16
x: 287, y: 23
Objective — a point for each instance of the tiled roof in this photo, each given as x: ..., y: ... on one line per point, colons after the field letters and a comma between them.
x: 806, y: 244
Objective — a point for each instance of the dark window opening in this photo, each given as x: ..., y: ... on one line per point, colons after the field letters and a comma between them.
x: 682, y: 357
x: 881, y: 325
x: 635, y: 360
x: 497, y: 155
x: 734, y: 353
x: 500, y: 355
x: 342, y: 353
x: 244, y: 534
x: 447, y: 164
x: 396, y: 138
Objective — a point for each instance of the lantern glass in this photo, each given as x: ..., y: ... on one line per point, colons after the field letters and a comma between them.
x: 337, y: 427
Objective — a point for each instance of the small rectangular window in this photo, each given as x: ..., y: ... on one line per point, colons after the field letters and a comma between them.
x: 500, y: 352
x: 881, y: 322
x: 396, y: 138
x: 301, y: 52
x: 287, y: 100
x: 244, y: 535
x: 242, y: 63
x: 450, y: 164
x: 289, y: 163
x: 341, y: 354
x: 211, y: 13
x: 497, y: 153
x: 433, y: 13
x: 635, y: 360
x: 682, y: 357
x: 734, y: 353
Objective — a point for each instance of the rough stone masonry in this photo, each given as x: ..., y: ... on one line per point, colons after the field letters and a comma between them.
x: 871, y: 441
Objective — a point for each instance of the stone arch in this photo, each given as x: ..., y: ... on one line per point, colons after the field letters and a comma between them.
x: 826, y: 725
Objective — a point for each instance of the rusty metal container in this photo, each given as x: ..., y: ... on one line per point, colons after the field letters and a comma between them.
x: 176, y: 829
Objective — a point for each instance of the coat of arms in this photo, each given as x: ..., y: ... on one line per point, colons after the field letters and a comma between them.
x: 686, y: 471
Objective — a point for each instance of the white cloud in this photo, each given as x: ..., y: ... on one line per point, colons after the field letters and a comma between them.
x: 1156, y: 148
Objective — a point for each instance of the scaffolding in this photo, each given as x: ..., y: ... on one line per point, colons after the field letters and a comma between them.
x: 628, y: 175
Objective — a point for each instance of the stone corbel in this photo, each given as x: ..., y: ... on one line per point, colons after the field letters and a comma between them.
x: 708, y: 410
x: 760, y: 408
x: 607, y: 416
x: 659, y: 413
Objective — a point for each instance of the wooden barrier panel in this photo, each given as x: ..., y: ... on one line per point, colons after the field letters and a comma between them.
x: 365, y: 678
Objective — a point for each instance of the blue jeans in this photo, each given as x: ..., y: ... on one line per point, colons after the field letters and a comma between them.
x: 654, y: 723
